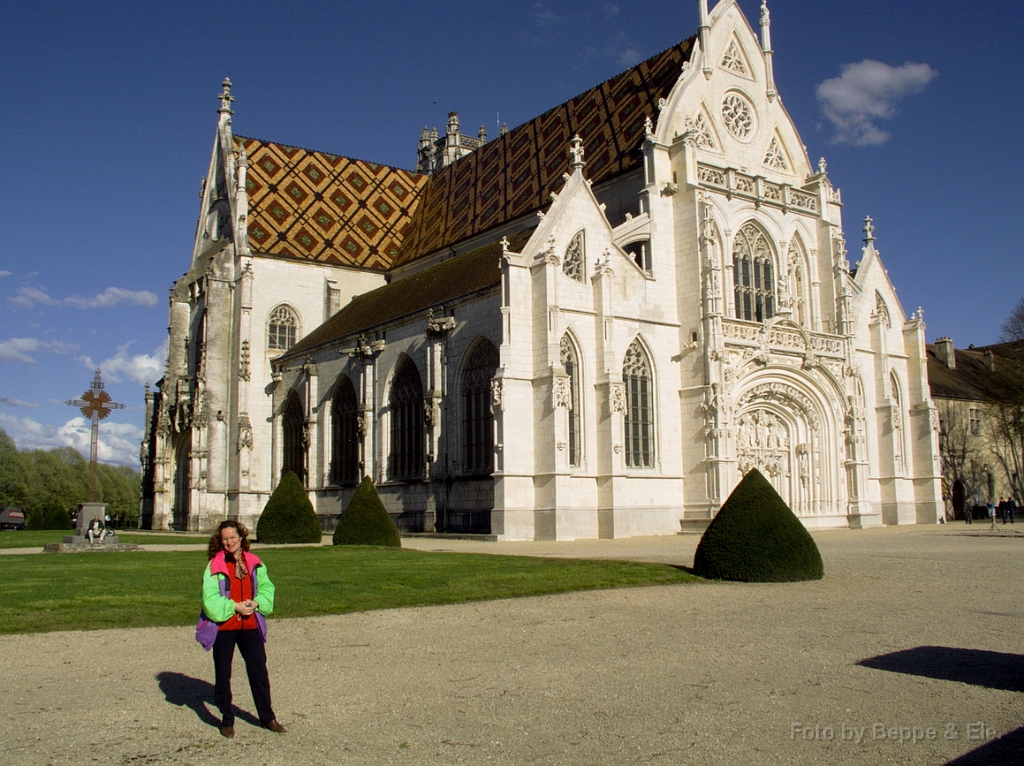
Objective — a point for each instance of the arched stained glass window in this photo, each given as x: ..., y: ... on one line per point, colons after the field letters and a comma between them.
x: 406, y: 404
x: 639, y: 420
x: 570, y: 361
x: 282, y: 328
x: 477, y: 419
x: 752, y: 274
x: 574, y: 262
x: 293, y: 426
x: 345, y: 434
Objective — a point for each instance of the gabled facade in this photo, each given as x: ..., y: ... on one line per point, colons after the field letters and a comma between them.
x: 595, y: 324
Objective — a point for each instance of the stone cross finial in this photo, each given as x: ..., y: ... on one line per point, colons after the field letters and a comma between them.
x: 225, y: 98
x: 576, y: 153
x: 869, y: 230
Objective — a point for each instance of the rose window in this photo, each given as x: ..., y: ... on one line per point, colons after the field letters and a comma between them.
x: 739, y: 120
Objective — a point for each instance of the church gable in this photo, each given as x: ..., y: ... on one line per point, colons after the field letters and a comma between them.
x: 322, y: 207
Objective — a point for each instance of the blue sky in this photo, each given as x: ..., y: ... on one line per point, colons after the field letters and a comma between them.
x: 108, y: 109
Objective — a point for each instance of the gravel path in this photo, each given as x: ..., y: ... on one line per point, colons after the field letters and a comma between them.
x: 710, y: 673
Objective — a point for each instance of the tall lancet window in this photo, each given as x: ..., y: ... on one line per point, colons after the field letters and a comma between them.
x: 477, y: 420
x: 281, y: 328
x: 897, y: 423
x: 406, y: 404
x: 345, y: 435
x: 639, y: 421
x: 574, y: 264
x: 753, y: 277
x: 570, y: 361
x: 293, y: 427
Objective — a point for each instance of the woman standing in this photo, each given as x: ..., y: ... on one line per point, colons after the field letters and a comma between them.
x: 236, y: 595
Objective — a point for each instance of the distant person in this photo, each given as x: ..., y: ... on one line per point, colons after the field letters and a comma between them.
x: 990, y: 509
x: 968, y: 512
x: 237, y: 593
x: 1002, y: 508
x: 1011, y: 506
x: 96, y: 532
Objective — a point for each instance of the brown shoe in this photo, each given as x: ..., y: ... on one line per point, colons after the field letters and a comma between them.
x: 227, y: 731
x: 275, y: 727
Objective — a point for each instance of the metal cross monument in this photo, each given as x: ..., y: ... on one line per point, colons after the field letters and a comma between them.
x: 95, y: 405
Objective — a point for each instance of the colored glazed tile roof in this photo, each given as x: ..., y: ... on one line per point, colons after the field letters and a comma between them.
x: 515, y: 174
x: 444, y: 282
x: 321, y: 207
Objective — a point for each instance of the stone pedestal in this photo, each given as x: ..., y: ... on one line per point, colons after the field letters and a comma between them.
x: 78, y: 543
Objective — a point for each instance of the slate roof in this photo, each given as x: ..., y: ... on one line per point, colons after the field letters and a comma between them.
x: 515, y: 174
x: 442, y: 283
x: 972, y: 379
x: 322, y: 207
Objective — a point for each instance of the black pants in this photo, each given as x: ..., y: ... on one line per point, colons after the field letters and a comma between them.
x: 250, y: 645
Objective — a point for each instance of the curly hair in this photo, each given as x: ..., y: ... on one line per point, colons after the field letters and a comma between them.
x: 243, y: 533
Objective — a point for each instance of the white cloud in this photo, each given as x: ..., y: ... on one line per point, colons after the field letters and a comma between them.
x: 867, y: 92
x: 544, y: 15
x: 18, y: 349
x: 113, y: 296
x: 28, y: 297
x: 17, y: 402
x: 4, y: 273
x: 142, y: 368
x: 118, y: 442
x: 610, y: 10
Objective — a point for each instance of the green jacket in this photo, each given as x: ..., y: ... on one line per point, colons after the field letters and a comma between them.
x: 218, y: 606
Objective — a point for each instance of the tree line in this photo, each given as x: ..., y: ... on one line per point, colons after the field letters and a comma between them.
x: 57, y: 480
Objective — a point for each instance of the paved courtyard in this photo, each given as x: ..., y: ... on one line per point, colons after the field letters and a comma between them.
x: 910, y: 651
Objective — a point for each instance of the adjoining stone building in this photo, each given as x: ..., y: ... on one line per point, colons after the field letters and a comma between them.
x: 981, y: 436
x: 591, y: 326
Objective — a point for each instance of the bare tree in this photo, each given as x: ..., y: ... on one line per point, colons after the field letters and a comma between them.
x: 1013, y: 327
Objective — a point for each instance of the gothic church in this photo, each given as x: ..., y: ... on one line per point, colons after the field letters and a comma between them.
x: 591, y: 326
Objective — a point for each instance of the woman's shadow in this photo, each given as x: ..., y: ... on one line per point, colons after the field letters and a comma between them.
x: 194, y: 693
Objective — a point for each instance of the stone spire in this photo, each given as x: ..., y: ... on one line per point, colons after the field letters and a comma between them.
x: 766, y: 48
x: 576, y: 153
x: 869, y: 231
x: 702, y: 30
x: 226, y: 98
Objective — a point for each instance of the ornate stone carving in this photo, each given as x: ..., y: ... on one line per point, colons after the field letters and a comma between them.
x: 737, y: 115
x: 498, y: 394
x: 244, y: 433
x: 561, y: 392
x: 775, y: 157
x: 617, y: 394
x: 733, y: 60
x: 243, y: 361
x: 785, y: 395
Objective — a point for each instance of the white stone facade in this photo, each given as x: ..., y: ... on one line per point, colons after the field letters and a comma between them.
x: 656, y: 338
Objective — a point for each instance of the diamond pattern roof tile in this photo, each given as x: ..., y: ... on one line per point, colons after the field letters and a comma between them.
x: 322, y: 207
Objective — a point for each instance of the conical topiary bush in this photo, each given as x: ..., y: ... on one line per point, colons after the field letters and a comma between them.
x: 289, y: 516
x: 365, y: 521
x: 35, y: 520
x: 756, y: 538
x: 57, y: 518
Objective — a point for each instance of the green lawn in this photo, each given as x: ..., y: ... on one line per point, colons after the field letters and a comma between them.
x: 131, y: 590
x: 39, y: 538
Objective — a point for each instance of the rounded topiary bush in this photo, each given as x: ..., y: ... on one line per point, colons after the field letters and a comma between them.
x: 365, y: 521
x: 35, y: 520
x: 756, y: 538
x: 289, y: 516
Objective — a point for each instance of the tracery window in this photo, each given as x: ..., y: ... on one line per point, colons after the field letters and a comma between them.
x: 477, y: 420
x: 704, y: 138
x: 737, y: 115
x: 406, y: 404
x: 733, y: 60
x: 775, y: 157
x: 798, y: 283
x: 345, y: 434
x: 752, y: 274
x: 293, y: 427
x: 570, y: 361
x: 975, y: 421
x: 639, y: 420
x: 573, y: 265
x: 281, y: 328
